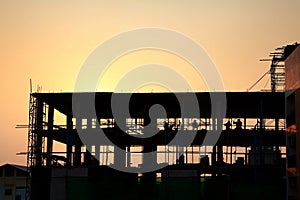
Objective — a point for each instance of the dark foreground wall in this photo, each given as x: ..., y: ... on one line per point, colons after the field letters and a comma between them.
x: 109, y: 184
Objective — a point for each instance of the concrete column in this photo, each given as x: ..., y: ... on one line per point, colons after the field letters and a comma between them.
x: 151, y: 158
x: 69, y: 139
x: 246, y: 156
x: 214, y: 153
x: 120, y: 156
x: 50, y: 136
x: 261, y: 115
x: 78, y: 123
x: 220, y: 147
x: 97, y: 152
x: 220, y: 153
x: 128, y: 156
x: 213, y: 124
x: 77, y: 155
x: 277, y: 147
x: 39, y: 127
x: 276, y: 124
x: 148, y: 181
x: 231, y: 154
x: 213, y: 156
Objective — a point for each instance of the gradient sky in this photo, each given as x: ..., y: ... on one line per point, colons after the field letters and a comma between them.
x: 48, y: 41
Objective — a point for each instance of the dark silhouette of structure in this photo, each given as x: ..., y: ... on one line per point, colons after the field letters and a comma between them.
x: 249, y: 153
x: 251, y: 157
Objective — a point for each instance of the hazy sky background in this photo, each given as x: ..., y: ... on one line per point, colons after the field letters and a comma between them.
x: 48, y: 41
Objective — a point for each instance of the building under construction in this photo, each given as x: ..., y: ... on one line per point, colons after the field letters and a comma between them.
x: 248, y: 160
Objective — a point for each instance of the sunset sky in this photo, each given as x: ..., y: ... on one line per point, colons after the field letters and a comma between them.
x: 48, y: 41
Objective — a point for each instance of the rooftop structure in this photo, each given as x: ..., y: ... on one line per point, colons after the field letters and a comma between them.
x: 13, y: 182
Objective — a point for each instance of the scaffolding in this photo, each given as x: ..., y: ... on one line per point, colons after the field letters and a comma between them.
x: 31, y: 136
x: 277, y: 70
x: 255, y: 146
x: 32, y: 144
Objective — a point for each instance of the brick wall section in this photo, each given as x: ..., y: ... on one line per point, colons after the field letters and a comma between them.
x: 292, y: 70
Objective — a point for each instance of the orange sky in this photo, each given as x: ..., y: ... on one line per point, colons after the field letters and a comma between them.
x: 48, y: 42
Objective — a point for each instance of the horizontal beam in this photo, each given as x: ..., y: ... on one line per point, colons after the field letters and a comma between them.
x: 242, y: 138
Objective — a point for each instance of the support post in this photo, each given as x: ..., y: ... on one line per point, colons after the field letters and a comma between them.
x: 276, y: 124
x: 213, y: 158
x: 220, y: 154
x: 246, y: 156
x: 39, y: 127
x: 120, y: 156
x: 128, y: 156
x: 97, y: 152
x: 69, y: 139
x: 50, y: 136
x: 77, y: 156
x: 151, y: 158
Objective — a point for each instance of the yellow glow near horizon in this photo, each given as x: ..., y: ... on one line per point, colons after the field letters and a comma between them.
x: 125, y: 64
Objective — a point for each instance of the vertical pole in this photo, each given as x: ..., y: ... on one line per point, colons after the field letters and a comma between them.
x: 128, y: 156
x: 276, y: 124
x: 192, y: 154
x: 39, y: 127
x: 77, y: 157
x: 277, y: 151
x: 186, y: 155
x: 246, y: 156
x: 259, y: 146
x: 120, y: 156
x: 106, y: 158
x: 231, y: 154
x: 168, y: 152
x: 213, y: 158
x: 50, y: 136
x: 69, y: 139
x: 150, y: 158
x: 220, y: 153
x: 218, y: 126
x: 97, y: 152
